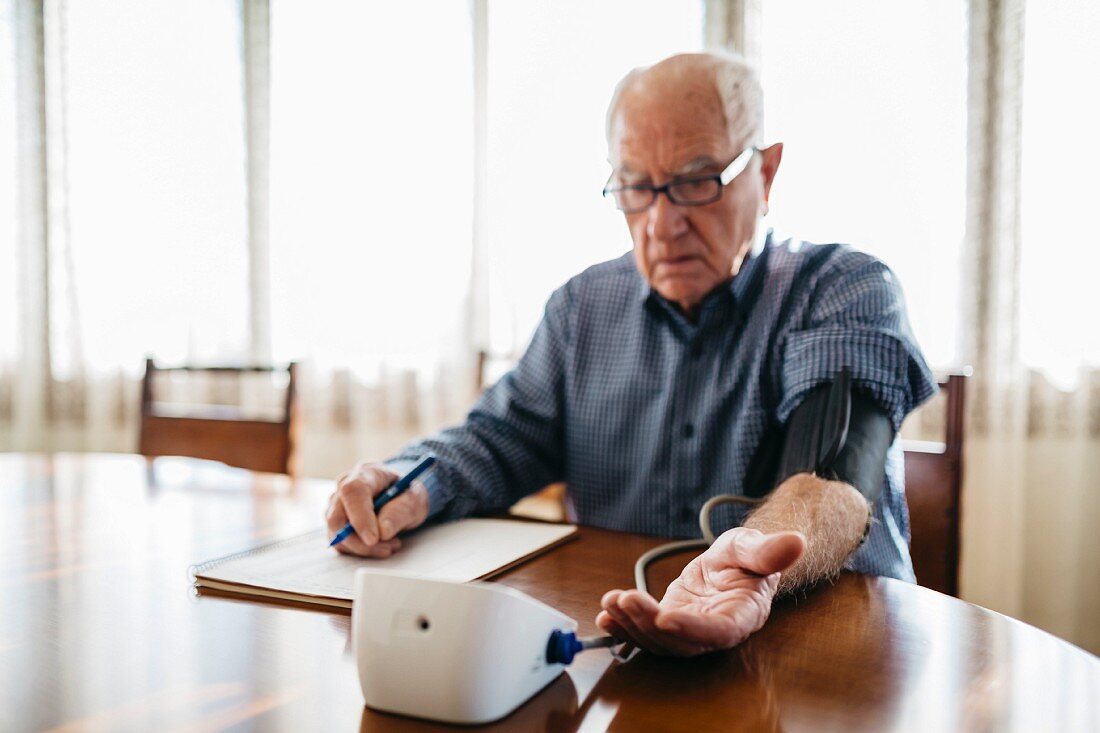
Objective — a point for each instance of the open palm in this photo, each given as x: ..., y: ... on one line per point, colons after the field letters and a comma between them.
x: 721, y: 597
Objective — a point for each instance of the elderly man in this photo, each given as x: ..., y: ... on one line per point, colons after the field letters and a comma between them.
x: 694, y: 368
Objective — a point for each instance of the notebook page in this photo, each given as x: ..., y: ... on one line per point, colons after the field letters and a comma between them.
x: 458, y: 551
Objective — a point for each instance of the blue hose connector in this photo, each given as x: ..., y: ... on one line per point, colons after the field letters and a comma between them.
x: 562, y: 647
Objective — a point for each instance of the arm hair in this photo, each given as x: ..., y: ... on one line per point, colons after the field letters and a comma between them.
x: 832, y: 515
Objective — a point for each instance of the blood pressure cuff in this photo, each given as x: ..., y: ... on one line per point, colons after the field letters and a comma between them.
x: 810, y: 443
x: 860, y: 461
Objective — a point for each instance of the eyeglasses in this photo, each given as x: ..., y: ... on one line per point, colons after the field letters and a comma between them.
x: 696, y: 191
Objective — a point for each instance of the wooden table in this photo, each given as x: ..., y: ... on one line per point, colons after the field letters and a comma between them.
x: 100, y: 629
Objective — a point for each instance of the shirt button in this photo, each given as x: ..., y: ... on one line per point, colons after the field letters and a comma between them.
x: 689, y: 430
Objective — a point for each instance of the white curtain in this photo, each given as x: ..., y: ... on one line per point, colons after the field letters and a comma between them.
x: 1031, y: 505
x: 549, y: 74
x: 234, y: 182
x: 127, y: 189
x: 372, y: 211
x: 870, y: 160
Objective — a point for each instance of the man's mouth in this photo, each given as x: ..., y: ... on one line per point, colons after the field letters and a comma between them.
x: 676, y: 263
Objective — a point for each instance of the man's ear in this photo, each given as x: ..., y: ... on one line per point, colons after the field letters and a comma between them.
x: 770, y: 157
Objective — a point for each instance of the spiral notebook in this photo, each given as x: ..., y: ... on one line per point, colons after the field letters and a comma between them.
x: 306, y: 570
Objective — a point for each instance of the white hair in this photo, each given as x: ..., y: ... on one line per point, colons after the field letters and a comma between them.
x: 738, y: 87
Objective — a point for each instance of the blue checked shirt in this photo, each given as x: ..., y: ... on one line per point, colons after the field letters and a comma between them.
x: 646, y: 415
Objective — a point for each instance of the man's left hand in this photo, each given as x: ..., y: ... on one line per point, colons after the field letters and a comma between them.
x: 723, y: 596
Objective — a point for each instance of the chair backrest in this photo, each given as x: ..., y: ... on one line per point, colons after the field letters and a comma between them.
x: 218, y: 432
x: 933, y: 488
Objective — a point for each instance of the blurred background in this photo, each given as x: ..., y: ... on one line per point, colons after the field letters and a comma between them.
x: 386, y: 193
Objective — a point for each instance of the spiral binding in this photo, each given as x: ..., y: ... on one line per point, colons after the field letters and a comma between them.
x: 195, y: 570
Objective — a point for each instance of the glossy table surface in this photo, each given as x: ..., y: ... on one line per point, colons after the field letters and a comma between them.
x: 100, y: 629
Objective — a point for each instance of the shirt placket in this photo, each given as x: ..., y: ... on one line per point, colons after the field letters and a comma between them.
x: 686, y: 436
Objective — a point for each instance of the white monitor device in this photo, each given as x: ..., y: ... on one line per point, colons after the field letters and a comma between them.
x: 452, y: 652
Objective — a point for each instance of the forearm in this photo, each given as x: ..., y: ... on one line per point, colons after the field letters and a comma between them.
x: 486, y: 464
x: 511, y: 442
x: 831, y: 515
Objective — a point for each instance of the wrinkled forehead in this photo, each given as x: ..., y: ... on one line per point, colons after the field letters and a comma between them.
x: 660, y: 126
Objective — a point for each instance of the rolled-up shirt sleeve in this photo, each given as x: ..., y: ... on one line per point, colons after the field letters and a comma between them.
x: 510, y: 444
x: 856, y: 318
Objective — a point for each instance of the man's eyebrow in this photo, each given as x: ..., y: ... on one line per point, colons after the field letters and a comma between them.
x: 624, y: 169
x: 697, y: 165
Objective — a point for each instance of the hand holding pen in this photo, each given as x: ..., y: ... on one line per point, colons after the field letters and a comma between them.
x: 372, y: 504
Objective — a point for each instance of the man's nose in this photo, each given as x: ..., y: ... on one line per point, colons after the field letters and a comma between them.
x: 666, y: 219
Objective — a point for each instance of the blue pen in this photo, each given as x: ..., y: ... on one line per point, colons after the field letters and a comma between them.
x: 395, y: 490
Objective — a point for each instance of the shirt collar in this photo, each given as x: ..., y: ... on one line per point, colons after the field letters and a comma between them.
x: 742, y: 284
x: 737, y: 295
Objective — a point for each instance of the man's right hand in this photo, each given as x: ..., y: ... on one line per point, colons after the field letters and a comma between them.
x: 353, y: 501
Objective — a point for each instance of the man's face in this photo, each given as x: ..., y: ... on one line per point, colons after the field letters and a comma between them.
x: 664, y: 130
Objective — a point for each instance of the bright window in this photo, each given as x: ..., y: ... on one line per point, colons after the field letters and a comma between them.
x: 869, y: 99
x: 552, y: 68
x: 155, y: 179
x: 1060, y: 263
x: 371, y: 180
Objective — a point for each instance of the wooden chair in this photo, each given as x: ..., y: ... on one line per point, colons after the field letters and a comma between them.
x: 219, y: 432
x: 933, y: 488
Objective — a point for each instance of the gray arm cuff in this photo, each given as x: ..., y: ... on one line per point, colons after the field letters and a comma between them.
x: 860, y: 463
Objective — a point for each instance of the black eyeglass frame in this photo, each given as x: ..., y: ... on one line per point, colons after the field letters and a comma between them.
x: 735, y: 168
